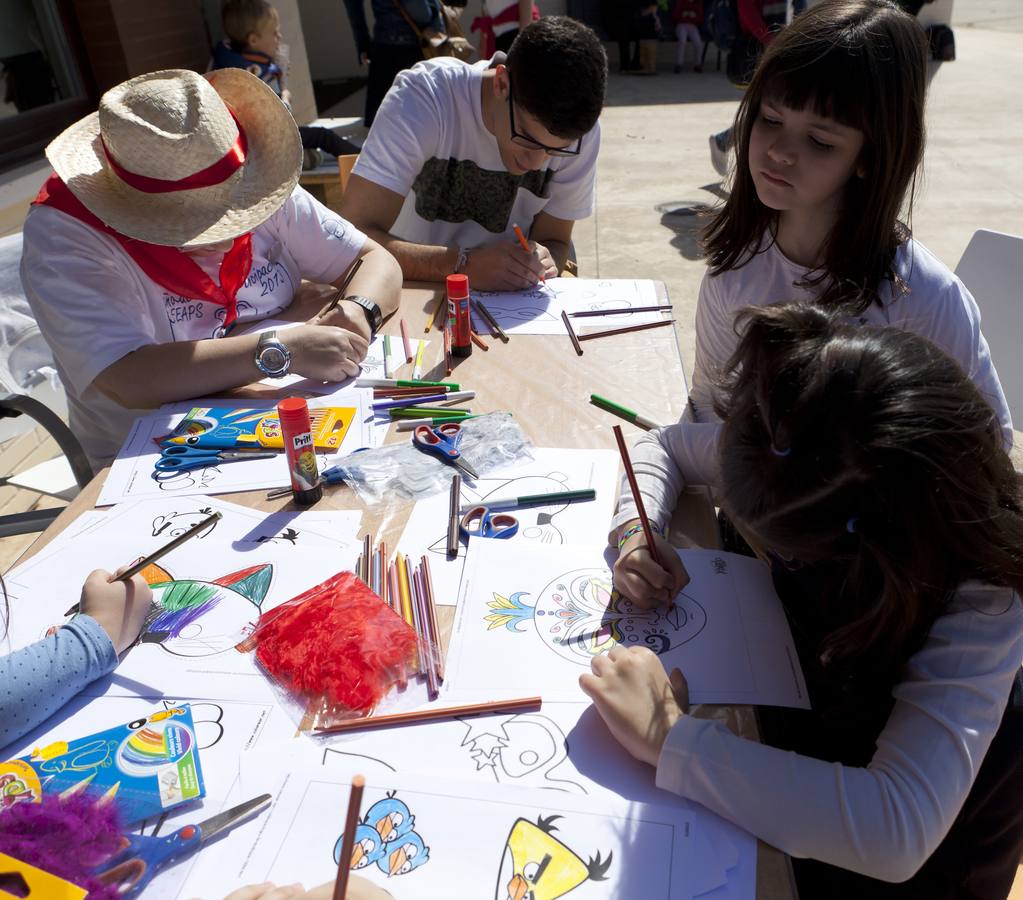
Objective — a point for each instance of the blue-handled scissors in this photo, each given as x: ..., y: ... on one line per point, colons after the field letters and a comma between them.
x: 481, y: 522
x: 442, y: 441
x: 179, y: 458
x: 134, y: 865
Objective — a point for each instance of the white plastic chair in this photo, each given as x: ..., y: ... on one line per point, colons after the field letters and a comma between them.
x: 992, y: 269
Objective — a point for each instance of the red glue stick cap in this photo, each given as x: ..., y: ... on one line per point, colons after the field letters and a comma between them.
x: 458, y: 287
x: 293, y: 410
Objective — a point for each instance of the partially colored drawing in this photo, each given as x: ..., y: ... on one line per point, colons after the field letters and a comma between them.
x: 538, y: 866
x: 579, y: 616
x: 385, y: 837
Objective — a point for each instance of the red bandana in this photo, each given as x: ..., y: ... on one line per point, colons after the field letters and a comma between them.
x: 169, y: 267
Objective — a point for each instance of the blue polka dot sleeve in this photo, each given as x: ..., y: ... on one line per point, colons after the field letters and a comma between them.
x: 39, y: 679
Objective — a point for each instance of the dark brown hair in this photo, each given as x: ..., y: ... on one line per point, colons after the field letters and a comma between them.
x: 870, y: 448
x: 863, y: 64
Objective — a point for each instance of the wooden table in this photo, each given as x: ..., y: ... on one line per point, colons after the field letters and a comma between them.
x: 542, y: 380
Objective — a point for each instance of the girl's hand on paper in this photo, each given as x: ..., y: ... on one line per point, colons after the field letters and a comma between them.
x: 120, y: 607
x: 358, y: 889
x: 325, y: 352
x: 643, y: 581
x: 636, y: 699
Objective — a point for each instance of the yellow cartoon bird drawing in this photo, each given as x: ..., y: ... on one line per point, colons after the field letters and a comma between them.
x: 537, y: 866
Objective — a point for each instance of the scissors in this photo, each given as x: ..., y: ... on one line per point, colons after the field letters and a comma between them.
x: 134, y: 865
x: 481, y: 522
x: 442, y: 441
x: 179, y: 458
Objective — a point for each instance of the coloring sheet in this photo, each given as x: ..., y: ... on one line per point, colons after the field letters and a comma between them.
x: 538, y: 309
x: 562, y: 747
x: 133, y: 472
x: 530, y: 621
x: 207, y: 598
x: 566, y: 523
x: 224, y: 731
x: 424, y: 838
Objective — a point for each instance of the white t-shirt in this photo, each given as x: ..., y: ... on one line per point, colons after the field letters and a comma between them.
x: 937, y: 307
x: 94, y: 305
x: 429, y: 144
x: 884, y: 819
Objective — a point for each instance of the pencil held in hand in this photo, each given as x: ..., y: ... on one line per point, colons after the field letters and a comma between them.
x: 640, y: 510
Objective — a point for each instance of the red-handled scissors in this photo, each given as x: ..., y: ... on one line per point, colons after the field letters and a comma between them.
x: 442, y: 441
x: 481, y: 522
x: 140, y: 857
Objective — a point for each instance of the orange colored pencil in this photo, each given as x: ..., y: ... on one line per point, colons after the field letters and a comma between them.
x: 417, y: 716
x: 525, y: 243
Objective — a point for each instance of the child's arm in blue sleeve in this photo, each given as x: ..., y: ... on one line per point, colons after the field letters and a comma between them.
x: 39, y: 679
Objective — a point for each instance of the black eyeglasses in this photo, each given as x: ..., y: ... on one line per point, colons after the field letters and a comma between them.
x: 524, y: 140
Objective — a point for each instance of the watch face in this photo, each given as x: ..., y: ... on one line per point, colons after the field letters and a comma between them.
x: 272, y: 358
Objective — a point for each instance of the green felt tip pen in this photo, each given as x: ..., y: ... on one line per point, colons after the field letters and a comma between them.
x: 535, y: 500
x: 427, y: 412
x: 623, y: 412
x: 398, y: 382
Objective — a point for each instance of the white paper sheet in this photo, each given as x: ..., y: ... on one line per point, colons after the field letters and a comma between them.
x: 447, y: 840
x: 567, y: 523
x: 531, y: 621
x: 538, y: 310
x: 191, y: 653
x: 132, y: 473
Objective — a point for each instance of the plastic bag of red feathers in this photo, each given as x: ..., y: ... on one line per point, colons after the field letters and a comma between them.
x: 335, y: 651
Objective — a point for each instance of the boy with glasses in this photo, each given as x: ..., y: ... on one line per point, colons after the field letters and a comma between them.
x: 459, y: 154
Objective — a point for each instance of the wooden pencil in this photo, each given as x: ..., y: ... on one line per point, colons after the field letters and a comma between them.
x: 429, y: 647
x: 619, y: 311
x: 417, y: 716
x: 447, y: 350
x: 571, y: 333
x: 422, y: 662
x: 495, y: 329
x: 405, y: 341
x: 132, y: 571
x: 431, y: 616
x: 339, y: 294
x: 477, y: 340
x: 441, y: 300
x: 631, y: 475
x: 599, y: 334
x: 344, y: 863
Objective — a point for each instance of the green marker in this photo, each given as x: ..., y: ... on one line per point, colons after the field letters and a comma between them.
x: 413, y: 424
x: 396, y: 382
x: 534, y: 500
x: 427, y: 412
x: 623, y: 412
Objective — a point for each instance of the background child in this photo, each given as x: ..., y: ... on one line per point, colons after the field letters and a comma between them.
x: 829, y: 136
x: 688, y: 17
x: 253, y: 43
x: 870, y: 472
x: 39, y: 679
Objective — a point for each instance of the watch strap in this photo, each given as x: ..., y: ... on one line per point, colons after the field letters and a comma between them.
x: 374, y: 316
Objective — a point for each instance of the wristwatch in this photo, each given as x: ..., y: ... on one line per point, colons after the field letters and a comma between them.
x: 273, y: 359
x: 373, y: 314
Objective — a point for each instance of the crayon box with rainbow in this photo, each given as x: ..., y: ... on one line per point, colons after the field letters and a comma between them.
x: 146, y: 767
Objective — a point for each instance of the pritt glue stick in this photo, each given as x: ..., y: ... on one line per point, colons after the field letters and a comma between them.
x: 459, y: 319
x: 298, y: 449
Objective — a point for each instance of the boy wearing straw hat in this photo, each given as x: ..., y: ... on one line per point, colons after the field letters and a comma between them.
x: 173, y: 216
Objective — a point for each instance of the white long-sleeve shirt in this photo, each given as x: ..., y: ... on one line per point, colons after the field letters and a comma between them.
x: 885, y: 819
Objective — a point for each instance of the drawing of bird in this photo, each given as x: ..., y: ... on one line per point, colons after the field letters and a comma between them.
x: 537, y: 866
x: 366, y: 850
x: 390, y: 817
x: 403, y: 855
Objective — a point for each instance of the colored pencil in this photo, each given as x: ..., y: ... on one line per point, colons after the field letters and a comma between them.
x: 447, y: 351
x: 405, y: 341
x: 623, y: 412
x: 453, y: 515
x: 571, y: 333
x: 132, y: 571
x: 620, y: 311
x: 429, y: 645
x: 380, y: 393
x: 553, y: 499
x: 441, y: 301
x: 367, y: 549
x: 452, y: 396
x: 477, y: 340
x: 525, y: 243
x: 339, y: 294
x: 415, y: 717
x: 431, y: 616
x: 405, y: 383
x: 393, y: 593
x: 405, y: 592
x: 344, y: 863
x: 413, y: 424
x: 417, y: 369
x: 495, y: 329
x: 387, y: 356
x: 631, y: 475
x: 599, y: 334
x: 422, y: 661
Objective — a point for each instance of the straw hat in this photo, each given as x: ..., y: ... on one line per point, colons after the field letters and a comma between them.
x: 161, y: 129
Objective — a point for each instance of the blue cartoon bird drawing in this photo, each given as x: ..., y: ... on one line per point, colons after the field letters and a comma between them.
x: 390, y: 817
x: 403, y: 855
x: 366, y: 850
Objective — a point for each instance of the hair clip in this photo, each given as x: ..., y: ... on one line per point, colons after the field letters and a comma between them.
x: 784, y: 452
x: 852, y: 525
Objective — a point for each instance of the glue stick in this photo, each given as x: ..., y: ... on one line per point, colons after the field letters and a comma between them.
x: 298, y: 449
x: 459, y: 320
